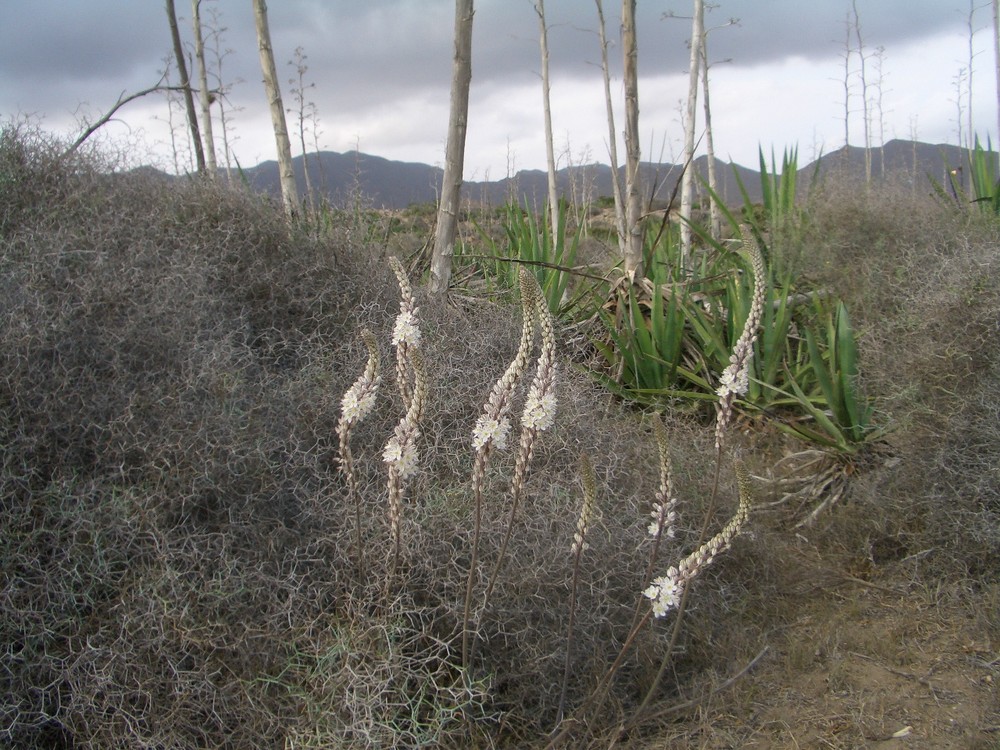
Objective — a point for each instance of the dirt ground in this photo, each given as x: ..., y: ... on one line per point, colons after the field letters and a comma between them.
x: 881, y: 663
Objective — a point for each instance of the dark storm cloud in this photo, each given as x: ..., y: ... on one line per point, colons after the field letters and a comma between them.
x: 768, y: 29
x: 48, y: 39
x: 371, y: 61
x: 366, y: 52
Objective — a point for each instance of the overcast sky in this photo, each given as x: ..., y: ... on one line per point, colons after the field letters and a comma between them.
x: 381, y: 71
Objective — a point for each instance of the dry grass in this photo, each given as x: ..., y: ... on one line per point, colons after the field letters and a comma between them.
x: 179, y: 550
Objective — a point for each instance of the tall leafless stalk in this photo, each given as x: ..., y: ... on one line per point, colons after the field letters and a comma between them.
x: 713, y: 181
x: 454, y: 160
x: 633, y: 206
x: 613, y: 134
x: 299, y: 87
x: 185, y: 83
x: 847, y: 82
x: 690, y: 118
x: 550, y: 153
x: 289, y: 190
x: 214, y: 40
x: 204, y: 96
x: 863, y: 76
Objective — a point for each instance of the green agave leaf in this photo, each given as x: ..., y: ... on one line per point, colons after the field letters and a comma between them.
x: 833, y: 432
x: 846, y: 367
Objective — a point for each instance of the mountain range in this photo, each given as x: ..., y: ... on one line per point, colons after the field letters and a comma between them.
x: 343, y: 178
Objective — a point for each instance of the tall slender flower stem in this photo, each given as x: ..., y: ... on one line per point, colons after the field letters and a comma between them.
x: 491, y: 432
x: 354, y: 407
x: 538, y: 416
x: 576, y: 549
x: 400, y: 453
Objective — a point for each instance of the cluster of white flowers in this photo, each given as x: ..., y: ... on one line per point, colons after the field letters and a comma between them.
x: 539, y: 409
x: 665, y: 592
x: 735, y: 379
x: 406, y: 331
x: 359, y: 400
x: 402, y: 454
x: 490, y: 431
x: 664, y: 518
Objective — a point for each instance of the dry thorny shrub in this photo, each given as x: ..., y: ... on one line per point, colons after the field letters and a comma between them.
x: 925, y: 300
x: 179, y: 566
x: 179, y: 557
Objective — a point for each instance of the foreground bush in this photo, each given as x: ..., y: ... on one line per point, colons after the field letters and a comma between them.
x: 181, y: 558
x: 179, y: 553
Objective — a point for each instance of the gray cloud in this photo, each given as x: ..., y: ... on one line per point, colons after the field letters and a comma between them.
x: 368, y: 57
x: 382, y: 47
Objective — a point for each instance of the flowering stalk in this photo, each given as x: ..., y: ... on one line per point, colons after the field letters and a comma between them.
x: 355, y: 405
x: 538, y: 415
x: 670, y: 591
x: 665, y: 592
x: 491, y: 432
x: 406, y: 331
x: 664, y: 512
x: 577, y: 549
x: 400, y: 453
x: 735, y: 379
x: 587, y: 509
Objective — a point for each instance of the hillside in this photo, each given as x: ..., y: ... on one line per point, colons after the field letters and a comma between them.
x: 396, y: 184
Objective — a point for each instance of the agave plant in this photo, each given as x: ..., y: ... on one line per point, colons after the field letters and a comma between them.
x: 985, y: 184
x: 671, y: 336
x: 843, y: 415
x: 530, y: 243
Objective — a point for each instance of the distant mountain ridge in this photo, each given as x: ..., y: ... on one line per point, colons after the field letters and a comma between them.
x: 383, y: 183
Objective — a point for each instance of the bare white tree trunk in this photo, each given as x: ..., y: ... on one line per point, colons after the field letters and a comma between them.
x: 192, y: 114
x: 633, y: 206
x: 713, y: 181
x: 289, y: 191
x: 454, y: 164
x: 203, y: 94
x: 613, y: 134
x: 550, y: 153
x: 687, y: 180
